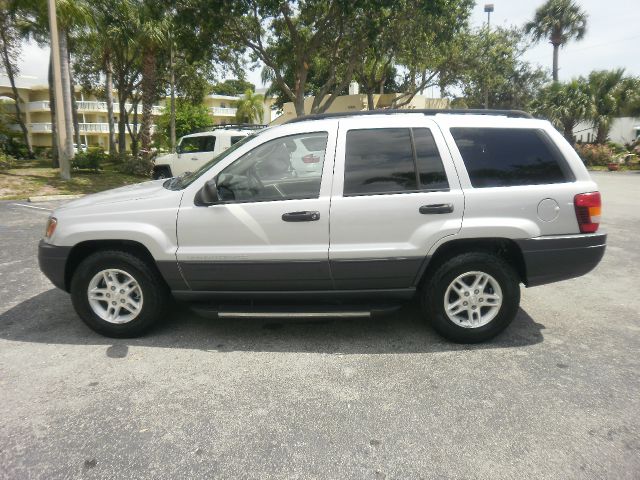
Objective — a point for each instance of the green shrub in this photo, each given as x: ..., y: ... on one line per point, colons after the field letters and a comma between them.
x: 7, y: 161
x: 135, y: 166
x: 595, y: 155
x: 89, y: 160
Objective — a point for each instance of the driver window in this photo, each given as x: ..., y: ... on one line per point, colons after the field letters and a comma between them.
x: 285, y: 168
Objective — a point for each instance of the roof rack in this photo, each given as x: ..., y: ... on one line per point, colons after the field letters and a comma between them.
x: 428, y: 111
x: 239, y: 126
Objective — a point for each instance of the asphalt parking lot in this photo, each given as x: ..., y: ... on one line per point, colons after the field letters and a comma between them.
x: 556, y: 396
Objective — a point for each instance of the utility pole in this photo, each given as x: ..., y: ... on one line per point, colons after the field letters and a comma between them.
x: 488, y: 8
x: 62, y: 132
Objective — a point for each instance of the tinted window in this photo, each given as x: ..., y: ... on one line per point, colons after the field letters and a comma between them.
x: 197, y: 144
x: 430, y: 168
x: 235, y: 140
x: 497, y: 157
x: 190, y: 144
x: 379, y: 161
x: 276, y: 170
x: 208, y: 144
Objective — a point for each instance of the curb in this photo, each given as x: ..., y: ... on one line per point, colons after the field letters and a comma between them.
x: 47, y: 198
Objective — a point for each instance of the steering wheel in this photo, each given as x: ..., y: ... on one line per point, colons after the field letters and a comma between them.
x: 254, y: 179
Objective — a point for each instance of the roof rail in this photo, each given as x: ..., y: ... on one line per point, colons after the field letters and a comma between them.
x: 232, y: 126
x: 428, y: 111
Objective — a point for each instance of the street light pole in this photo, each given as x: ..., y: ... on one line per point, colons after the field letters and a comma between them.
x: 61, y: 125
x: 488, y: 8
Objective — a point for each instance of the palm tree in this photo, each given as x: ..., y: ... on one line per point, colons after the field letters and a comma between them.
x: 565, y: 105
x: 559, y: 21
x: 610, y: 92
x: 153, y: 25
x: 250, y: 107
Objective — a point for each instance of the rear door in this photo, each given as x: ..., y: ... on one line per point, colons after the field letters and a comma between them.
x: 395, y: 194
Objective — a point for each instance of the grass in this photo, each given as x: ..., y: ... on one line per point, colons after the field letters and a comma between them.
x: 34, y: 178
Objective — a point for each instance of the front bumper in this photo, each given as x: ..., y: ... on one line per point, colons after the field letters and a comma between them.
x: 554, y: 258
x: 53, y: 260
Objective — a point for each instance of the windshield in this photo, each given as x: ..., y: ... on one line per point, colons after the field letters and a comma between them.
x: 186, y: 179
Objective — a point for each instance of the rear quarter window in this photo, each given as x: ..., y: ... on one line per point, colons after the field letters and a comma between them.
x: 504, y: 157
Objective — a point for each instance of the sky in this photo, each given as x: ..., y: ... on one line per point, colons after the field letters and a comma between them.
x: 612, y: 40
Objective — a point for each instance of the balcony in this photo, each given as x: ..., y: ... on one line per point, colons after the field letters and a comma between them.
x: 85, y: 128
x: 89, y: 107
x: 223, y: 112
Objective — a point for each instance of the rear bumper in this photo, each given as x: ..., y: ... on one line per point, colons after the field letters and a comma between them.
x: 52, y: 260
x: 554, y: 258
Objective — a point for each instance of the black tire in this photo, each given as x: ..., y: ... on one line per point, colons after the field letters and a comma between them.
x: 154, y: 291
x: 161, y: 172
x: 434, y: 290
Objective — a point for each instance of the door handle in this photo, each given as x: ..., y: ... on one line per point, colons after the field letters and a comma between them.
x: 436, y: 208
x: 301, y: 216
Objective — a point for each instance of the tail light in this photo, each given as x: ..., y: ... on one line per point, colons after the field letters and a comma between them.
x: 588, y: 207
x: 311, y: 158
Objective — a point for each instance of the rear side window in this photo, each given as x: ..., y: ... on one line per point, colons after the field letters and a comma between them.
x: 504, y: 157
x: 235, y: 140
x: 430, y: 168
x: 391, y: 160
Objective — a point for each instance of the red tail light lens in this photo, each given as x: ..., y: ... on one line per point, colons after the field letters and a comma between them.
x: 310, y: 159
x: 588, y: 208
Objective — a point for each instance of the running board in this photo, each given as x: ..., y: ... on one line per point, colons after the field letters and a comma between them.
x: 292, y: 311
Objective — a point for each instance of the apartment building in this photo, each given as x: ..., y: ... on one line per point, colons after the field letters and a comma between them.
x: 92, y: 112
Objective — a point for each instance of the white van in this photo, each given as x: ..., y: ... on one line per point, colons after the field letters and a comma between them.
x: 196, y: 149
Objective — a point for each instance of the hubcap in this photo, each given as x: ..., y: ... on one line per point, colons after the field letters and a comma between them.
x: 115, y: 296
x: 473, y: 299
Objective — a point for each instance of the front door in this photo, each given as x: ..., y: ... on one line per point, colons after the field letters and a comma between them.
x: 193, y: 152
x: 270, y: 231
x: 395, y: 194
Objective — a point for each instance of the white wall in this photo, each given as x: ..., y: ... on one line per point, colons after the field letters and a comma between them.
x: 622, y: 130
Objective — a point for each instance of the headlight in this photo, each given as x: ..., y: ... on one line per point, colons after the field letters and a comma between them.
x: 52, y: 223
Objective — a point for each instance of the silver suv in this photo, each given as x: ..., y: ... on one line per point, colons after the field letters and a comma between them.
x: 340, y: 215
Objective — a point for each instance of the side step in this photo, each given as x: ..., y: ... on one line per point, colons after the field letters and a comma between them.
x: 292, y: 311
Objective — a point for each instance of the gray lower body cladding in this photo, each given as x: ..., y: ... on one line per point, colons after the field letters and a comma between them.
x: 52, y: 261
x: 554, y: 258
x: 385, y: 273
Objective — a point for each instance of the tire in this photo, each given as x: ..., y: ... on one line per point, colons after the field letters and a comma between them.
x: 148, y: 291
x: 161, y: 172
x: 488, y: 317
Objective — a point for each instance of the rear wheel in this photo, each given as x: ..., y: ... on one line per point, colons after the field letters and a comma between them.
x: 161, y: 172
x: 117, y: 294
x: 471, y: 297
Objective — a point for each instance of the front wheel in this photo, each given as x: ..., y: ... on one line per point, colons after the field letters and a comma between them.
x: 471, y: 297
x: 117, y: 294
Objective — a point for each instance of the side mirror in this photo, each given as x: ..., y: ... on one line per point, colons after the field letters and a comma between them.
x: 207, y: 195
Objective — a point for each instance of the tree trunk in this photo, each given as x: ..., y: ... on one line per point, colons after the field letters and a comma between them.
x: 556, y: 48
x: 9, y: 69
x: 568, y: 132
x: 148, y: 96
x: 602, y: 132
x: 370, y: 104
x: 65, y: 160
x: 299, y: 104
x: 108, y: 86
x: 74, y: 103
x: 122, y: 125
x: 52, y: 109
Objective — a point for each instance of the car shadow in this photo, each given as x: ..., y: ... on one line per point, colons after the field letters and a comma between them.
x: 49, y: 318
